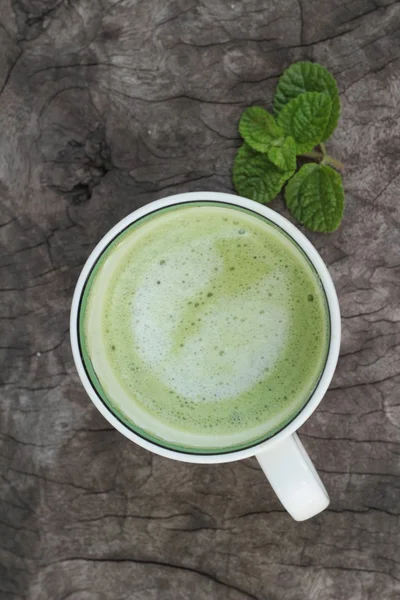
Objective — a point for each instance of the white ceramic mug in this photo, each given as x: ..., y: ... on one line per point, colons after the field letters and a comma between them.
x: 282, y: 456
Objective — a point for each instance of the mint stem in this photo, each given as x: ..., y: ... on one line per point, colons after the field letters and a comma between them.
x: 329, y: 160
x: 313, y: 154
x: 324, y: 158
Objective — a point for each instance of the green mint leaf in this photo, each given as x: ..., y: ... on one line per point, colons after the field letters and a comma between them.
x: 255, y: 177
x: 315, y: 197
x: 259, y: 129
x: 305, y: 118
x: 284, y: 156
x: 308, y: 77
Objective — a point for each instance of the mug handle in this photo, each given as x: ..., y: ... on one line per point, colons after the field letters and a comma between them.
x: 294, y: 478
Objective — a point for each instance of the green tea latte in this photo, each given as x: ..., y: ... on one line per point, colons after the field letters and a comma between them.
x: 204, y: 327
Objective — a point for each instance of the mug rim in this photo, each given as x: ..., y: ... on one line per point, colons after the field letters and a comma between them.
x: 333, y: 307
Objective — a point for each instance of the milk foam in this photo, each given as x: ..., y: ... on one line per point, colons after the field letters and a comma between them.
x: 226, y: 350
x: 207, y: 327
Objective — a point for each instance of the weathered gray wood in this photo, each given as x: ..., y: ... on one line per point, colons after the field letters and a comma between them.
x: 106, y: 105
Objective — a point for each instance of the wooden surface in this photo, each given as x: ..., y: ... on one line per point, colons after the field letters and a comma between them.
x: 106, y: 105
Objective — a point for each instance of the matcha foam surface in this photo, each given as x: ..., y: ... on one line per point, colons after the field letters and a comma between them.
x: 206, y: 327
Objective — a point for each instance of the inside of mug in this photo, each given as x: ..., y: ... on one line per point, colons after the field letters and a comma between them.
x: 250, y: 355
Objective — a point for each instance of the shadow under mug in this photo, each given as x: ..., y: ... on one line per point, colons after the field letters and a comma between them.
x: 282, y: 456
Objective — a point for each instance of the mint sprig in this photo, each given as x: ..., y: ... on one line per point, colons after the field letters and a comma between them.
x: 307, y: 109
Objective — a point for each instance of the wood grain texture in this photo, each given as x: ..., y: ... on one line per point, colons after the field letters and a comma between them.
x: 106, y: 105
